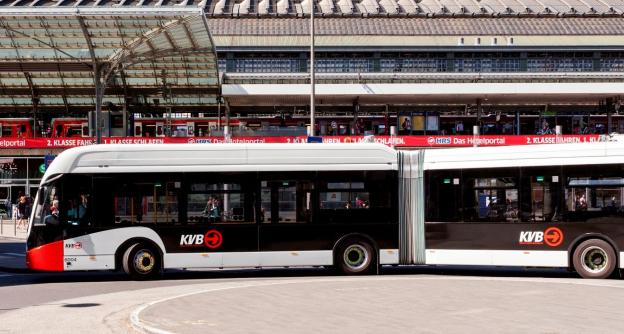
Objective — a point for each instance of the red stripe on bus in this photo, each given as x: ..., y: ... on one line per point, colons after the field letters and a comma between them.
x: 47, y: 257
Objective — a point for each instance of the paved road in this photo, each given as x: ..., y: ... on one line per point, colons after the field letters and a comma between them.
x: 421, y: 300
x: 20, y: 288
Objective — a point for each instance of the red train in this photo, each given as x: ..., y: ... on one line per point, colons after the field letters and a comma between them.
x: 271, y: 125
x: 16, y: 127
x: 69, y: 127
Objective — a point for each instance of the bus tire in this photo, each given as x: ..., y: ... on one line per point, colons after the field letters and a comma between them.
x: 141, y: 261
x: 594, y: 258
x: 356, y: 256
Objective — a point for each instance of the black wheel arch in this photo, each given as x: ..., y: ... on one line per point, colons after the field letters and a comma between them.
x: 126, y: 244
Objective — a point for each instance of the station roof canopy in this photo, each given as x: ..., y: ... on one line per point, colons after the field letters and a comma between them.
x: 359, y: 7
x: 53, y: 57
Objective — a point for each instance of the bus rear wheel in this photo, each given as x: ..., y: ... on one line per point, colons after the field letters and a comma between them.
x: 141, y: 262
x: 594, y: 258
x: 355, y: 257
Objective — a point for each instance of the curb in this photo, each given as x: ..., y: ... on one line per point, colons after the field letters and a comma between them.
x: 12, y: 238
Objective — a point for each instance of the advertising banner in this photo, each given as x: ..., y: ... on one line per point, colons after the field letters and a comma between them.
x: 398, y: 141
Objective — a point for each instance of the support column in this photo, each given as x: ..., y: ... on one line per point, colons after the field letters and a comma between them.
x: 312, y: 69
x: 479, y: 113
x: 34, y: 97
x: 227, y: 132
x: 356, y: 111
x: 609, y: 108
x: 99, y: 95
x: 219, y: 99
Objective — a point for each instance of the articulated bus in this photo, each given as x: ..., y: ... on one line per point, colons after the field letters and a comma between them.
x: 146, y: 208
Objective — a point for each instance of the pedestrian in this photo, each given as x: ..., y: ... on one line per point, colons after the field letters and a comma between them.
x: 22, y: 204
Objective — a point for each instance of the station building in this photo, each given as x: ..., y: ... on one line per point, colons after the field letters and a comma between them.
x: 417, y: 73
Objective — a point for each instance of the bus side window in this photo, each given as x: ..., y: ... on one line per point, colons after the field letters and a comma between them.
x: 220, y: 202
x: 443, y: 196
x: 146, y: 199
x: 591, y: 195
x: 286, y: 201
x: 356, y: 197
x: 78, y: 209
x: 490, y: 195
x: 74, y: 207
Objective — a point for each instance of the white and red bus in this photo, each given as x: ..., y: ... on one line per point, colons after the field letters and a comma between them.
x: 146, y: 208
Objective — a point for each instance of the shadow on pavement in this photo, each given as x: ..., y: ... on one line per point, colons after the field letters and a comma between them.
x: 31, y: 277
x: 11, y: 263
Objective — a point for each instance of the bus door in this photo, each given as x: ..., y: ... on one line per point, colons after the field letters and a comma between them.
x: 220, y: 212
x: 285, y: 215
x: 472, y: 209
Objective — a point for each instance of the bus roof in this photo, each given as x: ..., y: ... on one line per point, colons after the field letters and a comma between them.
x: 526, y: 155
x: 131, y: 158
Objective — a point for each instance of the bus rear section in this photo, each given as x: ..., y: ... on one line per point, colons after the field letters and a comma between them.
x: 557, y: 206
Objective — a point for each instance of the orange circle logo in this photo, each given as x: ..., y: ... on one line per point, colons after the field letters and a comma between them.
x: 213, y: 239
x: 553, y: 236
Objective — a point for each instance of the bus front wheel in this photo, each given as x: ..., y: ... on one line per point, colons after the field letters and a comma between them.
x: 594, y: 258
x: 141, y: 261
x: 355, y: 257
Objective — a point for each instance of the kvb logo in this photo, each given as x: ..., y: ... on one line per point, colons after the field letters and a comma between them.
x: 552, y: 237
x: 212, y: 239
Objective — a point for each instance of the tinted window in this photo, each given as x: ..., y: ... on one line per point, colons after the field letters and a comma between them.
x: 593, y: 194
x: 490, y: 195
x: 287, y: 199
x: 218, y: 202
x: 357, y: 196
x: 443, y: 196
x: 146, y: 199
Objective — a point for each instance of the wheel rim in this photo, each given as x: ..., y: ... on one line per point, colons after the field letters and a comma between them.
x: 595, y: 259
x: 144, y: 261
x: 356, y: 257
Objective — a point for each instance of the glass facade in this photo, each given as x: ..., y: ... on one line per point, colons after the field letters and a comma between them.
x: 18, y: 176
x: 458, y: 62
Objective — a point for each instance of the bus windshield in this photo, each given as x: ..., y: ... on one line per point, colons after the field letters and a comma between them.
x: 46, y: 207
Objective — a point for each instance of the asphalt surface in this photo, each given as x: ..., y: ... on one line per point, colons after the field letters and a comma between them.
x: 308, y: 300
